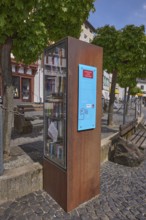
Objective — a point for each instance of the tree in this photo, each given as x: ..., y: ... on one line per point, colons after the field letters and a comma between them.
x: 107, y: 37
x: 124, y: 54
x: 132, y: 49
x: 132, y: 45
x: 26, y: 27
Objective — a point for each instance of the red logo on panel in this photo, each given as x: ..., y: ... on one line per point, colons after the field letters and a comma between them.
x: 88, y: 74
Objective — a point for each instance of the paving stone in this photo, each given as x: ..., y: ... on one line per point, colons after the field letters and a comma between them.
x: 75, y: 218
x: 38, y: 211
x: 11, y: 218
x: 116, y: 218
x: 105, y: 217
x: 140, y: 217
x: 86, y: 217
x: 46, y: 216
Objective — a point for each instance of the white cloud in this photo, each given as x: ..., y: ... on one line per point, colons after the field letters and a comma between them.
x: 144, y: 6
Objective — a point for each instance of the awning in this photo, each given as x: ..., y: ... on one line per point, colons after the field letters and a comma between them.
x: 139, y: 94
x: 116, y: 91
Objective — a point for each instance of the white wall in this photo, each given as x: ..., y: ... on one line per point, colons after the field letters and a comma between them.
x: 38, y: 86
x: 86, y: 34
x: 121, y: 93
x: 106, y: 85
x: 140, y: 85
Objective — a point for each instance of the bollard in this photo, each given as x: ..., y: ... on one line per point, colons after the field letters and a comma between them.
x: 1, y: 138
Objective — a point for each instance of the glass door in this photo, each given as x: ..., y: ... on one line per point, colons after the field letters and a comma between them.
x: 55, y: 104
x: 26, y: 90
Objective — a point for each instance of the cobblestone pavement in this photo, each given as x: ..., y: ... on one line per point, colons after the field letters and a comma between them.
x: 122, y: 194
x: 122, y: 197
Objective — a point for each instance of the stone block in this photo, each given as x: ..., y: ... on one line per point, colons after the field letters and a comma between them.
x: 20, y: 181
x: 21, y: 125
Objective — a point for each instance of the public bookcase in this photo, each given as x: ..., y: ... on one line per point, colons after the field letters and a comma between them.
x: 72, y: 121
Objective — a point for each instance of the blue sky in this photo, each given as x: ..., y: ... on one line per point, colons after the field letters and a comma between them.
x: 118, y: 13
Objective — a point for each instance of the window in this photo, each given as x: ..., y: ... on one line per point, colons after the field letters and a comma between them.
x: 142, y: 87
x: 86, y: 26
x: 26, y: 89
x: 85, y: 36
x: 16, y: 85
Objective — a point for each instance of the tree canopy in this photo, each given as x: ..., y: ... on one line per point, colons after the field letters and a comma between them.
x: 107, y: 37
x: 26, y: 28
x: 135, y: 90
x: 124, y: 50
x: 124, y: 55
x: 32, y: 24
x: 132, y: 49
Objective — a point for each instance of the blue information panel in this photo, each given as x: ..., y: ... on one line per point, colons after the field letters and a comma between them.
x: 87, y: 97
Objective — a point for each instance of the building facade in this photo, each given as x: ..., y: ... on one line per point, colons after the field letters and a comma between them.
x: 88, y: 32
x: 23, y: 81
x: 38, y: 83
x: 141, y: 83
x: 87, y: 35
x: 28, y: 80
x: 106, y: 85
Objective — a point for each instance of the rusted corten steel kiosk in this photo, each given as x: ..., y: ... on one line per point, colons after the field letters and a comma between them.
x: 72, y: 121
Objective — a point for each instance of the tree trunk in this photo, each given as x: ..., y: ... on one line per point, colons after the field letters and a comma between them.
x: 112, y: 98
x: 5, y: 61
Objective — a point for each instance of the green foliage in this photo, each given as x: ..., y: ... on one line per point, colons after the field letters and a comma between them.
x: 107, y: 37
x: 124, y: 51
x: 126, y: 80
x: 132, y: 47
x: 32, y: 24
x: 135, y: 90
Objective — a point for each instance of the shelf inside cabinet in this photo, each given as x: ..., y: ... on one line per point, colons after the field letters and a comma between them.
x: 55, y: 151
x: 57, y: 95
x: 56, y: 118
x: 51, y: 100
x: 59, y: 140
x: 55, y: 74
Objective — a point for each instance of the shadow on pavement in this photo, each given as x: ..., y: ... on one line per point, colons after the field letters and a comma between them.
x: 34, y: 151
